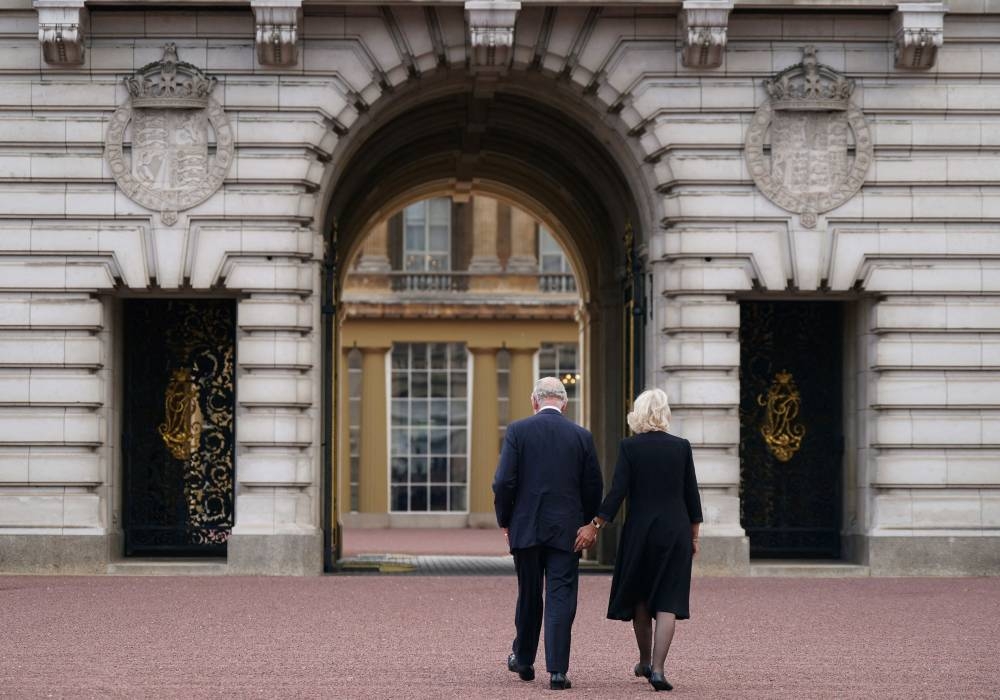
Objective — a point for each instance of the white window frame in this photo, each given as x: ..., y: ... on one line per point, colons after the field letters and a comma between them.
x: 423, y: 257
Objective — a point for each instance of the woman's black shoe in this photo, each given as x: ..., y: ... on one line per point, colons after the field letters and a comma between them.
x: 659, y: 682
x: 643, y: 670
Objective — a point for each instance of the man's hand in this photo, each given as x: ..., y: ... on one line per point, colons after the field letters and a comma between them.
x: 506, y: 536
x: 586, y: 536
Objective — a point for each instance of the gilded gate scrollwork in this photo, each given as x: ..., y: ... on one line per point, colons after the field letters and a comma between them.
x: 178, y: 425
x: 791, y: 447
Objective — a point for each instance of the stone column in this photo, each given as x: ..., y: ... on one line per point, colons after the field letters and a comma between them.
x: 484, y: 236
x: 484, y: 437
x: 522, y: 380
x: 373, y: 487
x: 375, y: 250
x: 523, y: 259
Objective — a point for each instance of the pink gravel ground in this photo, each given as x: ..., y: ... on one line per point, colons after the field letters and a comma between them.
x: 457, y: 541
x: 447, y: 637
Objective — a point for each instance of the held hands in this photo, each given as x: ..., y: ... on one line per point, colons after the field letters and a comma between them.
x: 586, y: 536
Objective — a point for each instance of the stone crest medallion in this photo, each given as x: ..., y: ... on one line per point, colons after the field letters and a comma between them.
x: 808, y: 147
x: 181, y: 143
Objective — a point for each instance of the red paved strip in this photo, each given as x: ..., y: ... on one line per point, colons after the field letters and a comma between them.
x: 447, y: 637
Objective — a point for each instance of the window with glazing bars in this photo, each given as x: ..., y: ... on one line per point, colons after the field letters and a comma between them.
x: 429, y: 416
x: 427, y: 236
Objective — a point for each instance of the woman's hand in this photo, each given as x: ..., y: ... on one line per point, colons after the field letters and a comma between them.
x: 695, y: 547
x: 586, y: 536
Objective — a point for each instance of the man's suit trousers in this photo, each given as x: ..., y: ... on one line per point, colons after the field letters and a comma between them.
x: 559, y: 572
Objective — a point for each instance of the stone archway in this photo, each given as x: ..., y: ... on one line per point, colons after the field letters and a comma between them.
x: 531, y: 142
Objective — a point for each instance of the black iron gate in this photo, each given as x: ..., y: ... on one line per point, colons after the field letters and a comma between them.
x: 177, y: 426
x: 791, y: 442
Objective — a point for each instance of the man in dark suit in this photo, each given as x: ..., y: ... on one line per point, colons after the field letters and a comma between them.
x: 547, y: 485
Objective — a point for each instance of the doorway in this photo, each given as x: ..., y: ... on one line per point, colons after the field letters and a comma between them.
x: 177, y: 426
x: 791, y: 428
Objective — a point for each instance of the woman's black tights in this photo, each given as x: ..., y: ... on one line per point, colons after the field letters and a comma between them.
x: 653, y: 652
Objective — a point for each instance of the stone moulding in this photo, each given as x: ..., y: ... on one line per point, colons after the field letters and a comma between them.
x: 277, y: 31
x: 704, y: 24
x: 918, y: 29
x: 170, y: 167
x: 490, y: 26
x: 60, y: 31
x: 809, y: 118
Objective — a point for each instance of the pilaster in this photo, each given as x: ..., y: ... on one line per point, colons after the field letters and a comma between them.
x: 484, y: 236
x: 375, y: 251
x: 699, y: 356
x: 484, y: 448
x: 373, y: 494
x: 523, y: 258
x: 522, y: 381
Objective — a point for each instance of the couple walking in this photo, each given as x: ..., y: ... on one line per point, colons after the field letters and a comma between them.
x: 547, y: 492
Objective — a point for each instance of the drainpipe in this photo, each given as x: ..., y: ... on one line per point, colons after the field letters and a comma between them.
x: 328, y: 374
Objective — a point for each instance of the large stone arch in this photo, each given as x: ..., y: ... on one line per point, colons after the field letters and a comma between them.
x: 529, y: 140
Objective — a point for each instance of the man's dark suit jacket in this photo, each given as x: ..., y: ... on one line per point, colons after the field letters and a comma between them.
x: 548, y: 482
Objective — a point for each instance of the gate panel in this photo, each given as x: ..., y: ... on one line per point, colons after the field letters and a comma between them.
x: 178, y: 439
x: 791, y: 440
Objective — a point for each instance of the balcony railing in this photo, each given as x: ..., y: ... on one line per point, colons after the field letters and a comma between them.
x: 429, y: 281
x: 460, y: 281
x: 555, y: 283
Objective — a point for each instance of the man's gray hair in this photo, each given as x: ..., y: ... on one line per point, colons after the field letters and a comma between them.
x: 548, y: 388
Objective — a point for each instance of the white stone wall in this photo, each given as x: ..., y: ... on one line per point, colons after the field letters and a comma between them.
x: 917, y: 247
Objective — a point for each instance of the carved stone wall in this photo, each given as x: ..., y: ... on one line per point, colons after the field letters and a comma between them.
x: 915, y: 246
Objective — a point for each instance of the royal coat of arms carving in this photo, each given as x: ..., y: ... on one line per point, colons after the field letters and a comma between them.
x: 169, y: 165
x: 809, y: 147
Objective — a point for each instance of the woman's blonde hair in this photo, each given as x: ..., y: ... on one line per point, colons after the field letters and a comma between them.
x: 651, y: 411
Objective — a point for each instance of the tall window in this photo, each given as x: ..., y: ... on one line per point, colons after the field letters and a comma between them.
x: 557, y: 275
x: 429, y: 452
x: 503, y: 393
x: 354, y: 422
x: 427, y: 236
x: 561, y: 360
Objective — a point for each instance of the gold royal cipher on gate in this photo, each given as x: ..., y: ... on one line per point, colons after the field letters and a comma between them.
x: 181, y: 429
x: 782, y: 435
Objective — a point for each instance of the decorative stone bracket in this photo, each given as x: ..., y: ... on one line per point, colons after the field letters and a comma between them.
x: 277, y: 31
x: 919, y: 31
x: 703, y: 26
x: 60, y: 30
x: 490, y: 25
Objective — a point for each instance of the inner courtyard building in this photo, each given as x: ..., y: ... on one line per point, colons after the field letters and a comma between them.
x: 270, y: 269
x: 466, y: 304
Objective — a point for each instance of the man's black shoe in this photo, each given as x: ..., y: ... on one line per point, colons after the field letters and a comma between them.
x: 560, y: 682
x: 525, y: 673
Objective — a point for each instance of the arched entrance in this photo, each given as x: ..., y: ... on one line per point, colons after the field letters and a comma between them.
x: 527, y: 140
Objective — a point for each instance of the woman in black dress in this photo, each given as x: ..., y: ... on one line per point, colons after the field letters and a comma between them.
x: 653, y: 570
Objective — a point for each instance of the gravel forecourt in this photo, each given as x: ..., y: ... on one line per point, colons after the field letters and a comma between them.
x: 407, y: 636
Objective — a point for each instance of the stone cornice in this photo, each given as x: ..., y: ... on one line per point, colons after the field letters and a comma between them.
x: 919, y: 32
x: 704, y: 24
x: 60, y: 31
x: 490, y: 28
x: 276, y: 24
